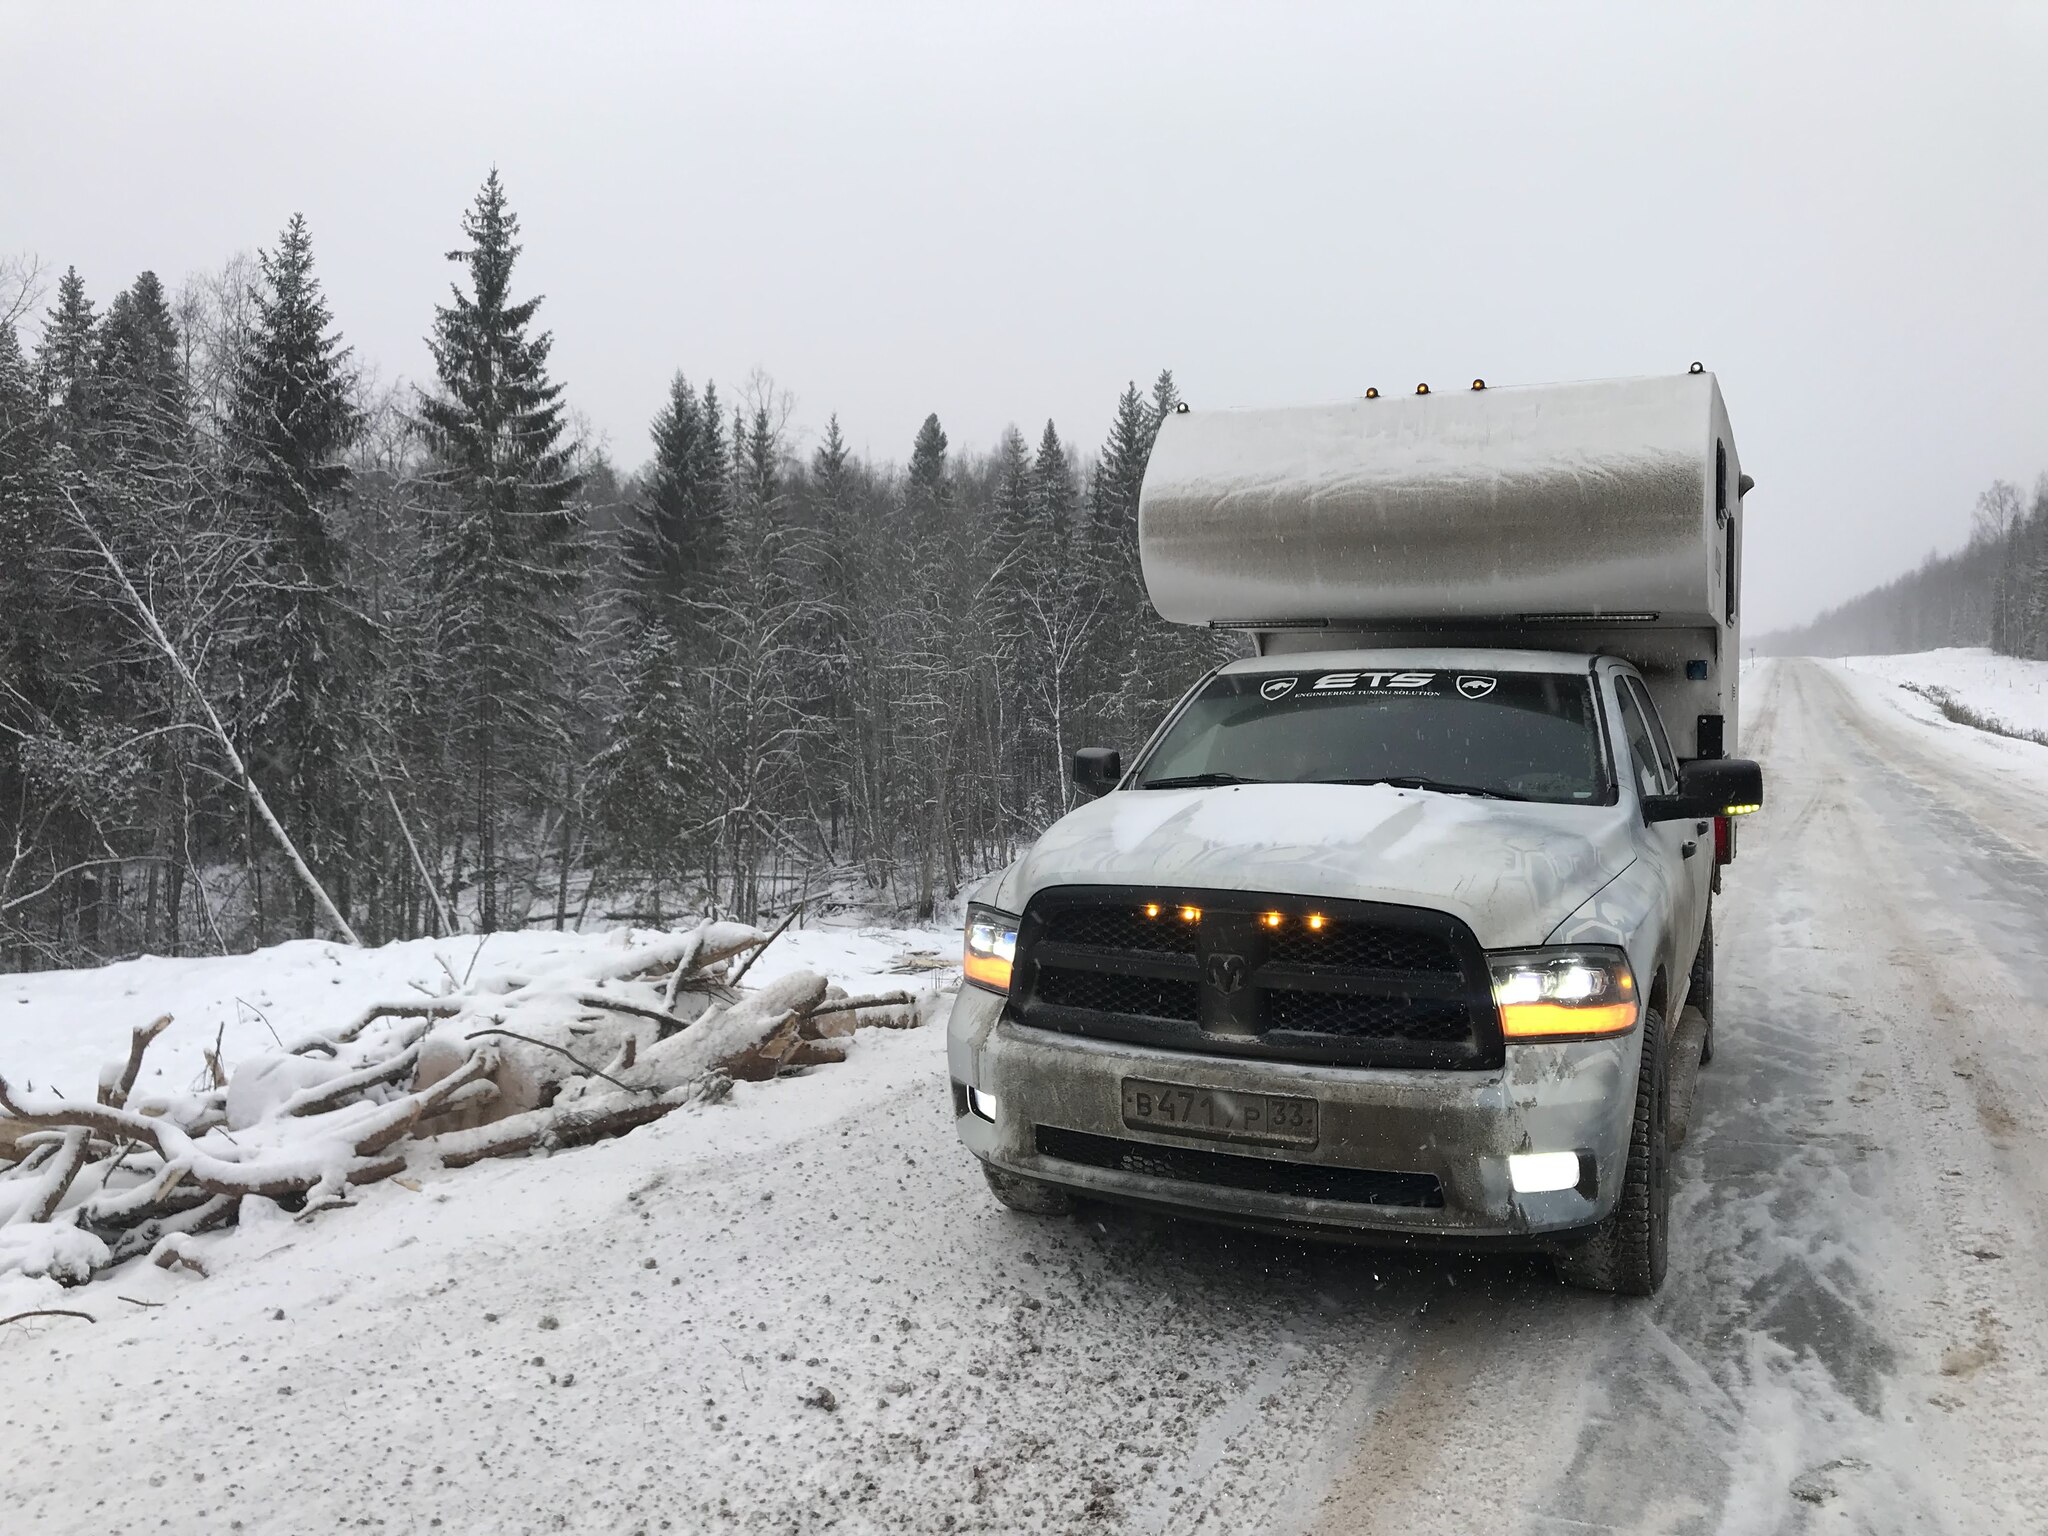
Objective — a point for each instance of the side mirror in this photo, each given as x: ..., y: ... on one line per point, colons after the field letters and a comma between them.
x: 1710, y: 786
x: 1097, y: 770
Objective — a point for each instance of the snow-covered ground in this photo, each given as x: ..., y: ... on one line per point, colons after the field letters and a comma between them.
x: 2006, y: 689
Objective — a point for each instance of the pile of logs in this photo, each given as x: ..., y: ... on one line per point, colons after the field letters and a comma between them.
x: 615, y: 1040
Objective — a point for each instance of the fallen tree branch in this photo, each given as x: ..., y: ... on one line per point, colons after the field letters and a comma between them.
x: 614, y: 1005
x: 328, y: 1095
x: 56, y: 1179
x: 116, y: 1093
x: 432, y: 1008
x: 572, y: 1124
x: 580, y: 1064
x: 855, y: 1004
x: 47, y: 1312
x: 761, y: 948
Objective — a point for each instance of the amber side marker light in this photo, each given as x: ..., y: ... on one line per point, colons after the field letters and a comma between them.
x: 1564, y: 994
x: 1740, y: 810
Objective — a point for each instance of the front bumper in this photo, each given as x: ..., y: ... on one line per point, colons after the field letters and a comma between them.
x: 1458, y: 1127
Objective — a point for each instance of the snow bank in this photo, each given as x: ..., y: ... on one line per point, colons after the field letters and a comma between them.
x: 2010, y: 690
x: 2004, y: 689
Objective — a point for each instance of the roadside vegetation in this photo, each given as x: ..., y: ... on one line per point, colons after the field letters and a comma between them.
x: 1993, y: 591
x: 286, y: 651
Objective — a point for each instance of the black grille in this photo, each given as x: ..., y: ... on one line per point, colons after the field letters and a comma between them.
x: 1107, y: 992
x: 1273, y: 1176
x: 1122, y: 928
x: 1366, y: 1018
x: 1365, y: 984
x: 1365, y: 947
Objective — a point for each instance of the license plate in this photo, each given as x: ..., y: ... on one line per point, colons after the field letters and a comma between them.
x: 1220, y: 1115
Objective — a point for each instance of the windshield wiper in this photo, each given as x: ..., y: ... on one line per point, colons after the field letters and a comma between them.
x: 1436, y: 785
x: 1199, y: 781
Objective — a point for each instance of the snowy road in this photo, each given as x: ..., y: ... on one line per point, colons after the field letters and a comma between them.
x: 802, y: 1312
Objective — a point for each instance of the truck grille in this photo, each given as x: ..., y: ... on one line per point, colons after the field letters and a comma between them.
x: 1245, y: 974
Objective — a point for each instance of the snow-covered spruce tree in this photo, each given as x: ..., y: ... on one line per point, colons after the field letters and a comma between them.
x: 504, y: 544
x: 924, y: 663
x: 756, y: 686
x: 67, y: 362
x: 136, y: 468
x: 1143, y: 662
x: 650, y: 776
x: 292, y: 420
x: 831, y: 573
x: 675, y: 536
x: 32, y: 823
x: 28, y: 622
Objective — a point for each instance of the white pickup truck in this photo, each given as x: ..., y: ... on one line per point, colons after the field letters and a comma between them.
x: 1400, y: 929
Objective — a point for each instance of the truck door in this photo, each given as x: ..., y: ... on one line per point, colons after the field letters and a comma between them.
x: 1694, y: 836
x: 1665, y: 842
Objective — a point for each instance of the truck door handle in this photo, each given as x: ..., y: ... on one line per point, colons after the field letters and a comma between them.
x: 1687, y: 850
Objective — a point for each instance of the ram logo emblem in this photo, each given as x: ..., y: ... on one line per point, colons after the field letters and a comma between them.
x: 1225, y: 973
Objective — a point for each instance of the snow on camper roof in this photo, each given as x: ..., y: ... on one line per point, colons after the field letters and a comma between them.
x: 1542, y: 501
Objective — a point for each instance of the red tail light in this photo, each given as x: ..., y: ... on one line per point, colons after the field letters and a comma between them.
x: 1724, y: 839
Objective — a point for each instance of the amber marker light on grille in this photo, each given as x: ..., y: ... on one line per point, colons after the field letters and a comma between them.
x: 1191, y: 914
x: 1740, y: 810
x: 1317, y: 922
x: 1272, y: 919
x: 1151, y: 909
x: 1564, y: 994
x: 989, y: 949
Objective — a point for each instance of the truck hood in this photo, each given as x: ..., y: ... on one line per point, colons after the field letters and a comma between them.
x: 1511, y: 871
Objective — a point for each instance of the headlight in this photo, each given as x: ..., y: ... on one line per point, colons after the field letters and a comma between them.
x: 1563, y: 994
x: 990, y: 948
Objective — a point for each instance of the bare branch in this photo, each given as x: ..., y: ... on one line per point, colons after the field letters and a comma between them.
x: 115, y: 1094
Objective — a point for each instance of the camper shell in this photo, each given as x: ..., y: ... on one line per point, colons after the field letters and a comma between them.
x: 1602, y: 518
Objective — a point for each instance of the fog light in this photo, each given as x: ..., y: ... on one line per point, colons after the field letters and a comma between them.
x: 984, y: 1105
x: 1534, y: 1173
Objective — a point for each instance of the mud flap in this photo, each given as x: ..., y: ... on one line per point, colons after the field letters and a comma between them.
x: 1686, y: 1043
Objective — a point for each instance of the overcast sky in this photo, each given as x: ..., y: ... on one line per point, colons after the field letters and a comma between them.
x: 1003, y: 213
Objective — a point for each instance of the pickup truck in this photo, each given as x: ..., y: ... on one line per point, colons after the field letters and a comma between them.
x: 1401, y: 929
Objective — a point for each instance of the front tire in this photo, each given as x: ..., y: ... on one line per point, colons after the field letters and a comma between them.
x: 1030, y: 1196
x: 1627, y: 1253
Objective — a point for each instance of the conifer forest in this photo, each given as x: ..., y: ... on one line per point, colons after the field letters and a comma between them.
x: 284, y: 653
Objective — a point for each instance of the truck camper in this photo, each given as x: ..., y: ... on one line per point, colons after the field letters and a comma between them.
x: 1400, y: 928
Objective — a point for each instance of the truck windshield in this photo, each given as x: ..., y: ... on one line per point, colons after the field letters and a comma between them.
x: 1506, y: 735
